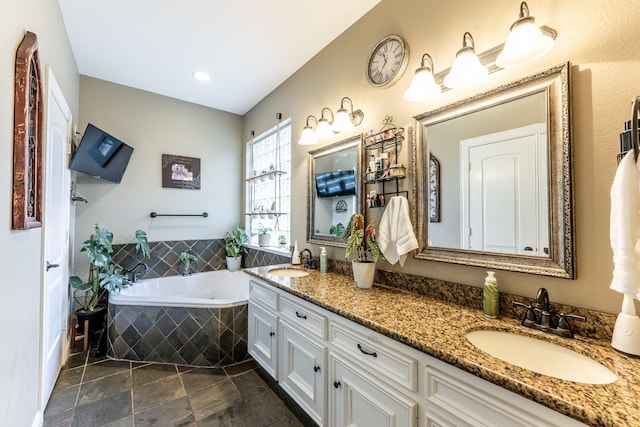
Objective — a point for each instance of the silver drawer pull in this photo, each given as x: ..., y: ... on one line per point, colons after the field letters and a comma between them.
x: 302, y: 316
x: 363, y: 351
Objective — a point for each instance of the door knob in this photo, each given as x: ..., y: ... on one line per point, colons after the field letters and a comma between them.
x: 52, y: 265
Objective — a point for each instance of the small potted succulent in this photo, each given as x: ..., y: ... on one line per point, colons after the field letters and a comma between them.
x: 188, y: 261
x: 361, y: 241
x: 235, y: 244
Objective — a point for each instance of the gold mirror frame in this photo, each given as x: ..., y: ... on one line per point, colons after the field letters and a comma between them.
x: 349, y: 143
x: 555, y: 83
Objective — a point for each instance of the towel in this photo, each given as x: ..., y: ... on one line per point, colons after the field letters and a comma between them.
x: 625, y: 227
x: 395, y: 234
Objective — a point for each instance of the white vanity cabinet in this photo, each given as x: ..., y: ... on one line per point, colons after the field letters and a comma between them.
x: 344, y: 374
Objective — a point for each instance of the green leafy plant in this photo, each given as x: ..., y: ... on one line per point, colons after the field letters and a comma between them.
x: 186, y: 259
x: 282, y: 240
x: 361, y: 240
x: 337, y: 230
x: 235, y: 242
x: 104, y: 274
x: 263, y: 230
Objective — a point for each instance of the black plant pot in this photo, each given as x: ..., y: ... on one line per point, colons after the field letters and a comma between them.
x: 95, y: 317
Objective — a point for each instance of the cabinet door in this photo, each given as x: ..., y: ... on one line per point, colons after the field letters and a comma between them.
x: 359, y: 399
x: 263, y: 343
x: 302, y: 370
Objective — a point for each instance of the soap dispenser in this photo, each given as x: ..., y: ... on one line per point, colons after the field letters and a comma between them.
x: 490, y: 303
x: 323, y: 260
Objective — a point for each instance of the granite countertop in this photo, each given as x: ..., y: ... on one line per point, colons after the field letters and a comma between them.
x: 438, y: 329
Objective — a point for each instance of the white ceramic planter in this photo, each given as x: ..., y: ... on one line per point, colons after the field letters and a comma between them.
x: 364, y: 273
x: 264, y: 239
x: 234, y: 264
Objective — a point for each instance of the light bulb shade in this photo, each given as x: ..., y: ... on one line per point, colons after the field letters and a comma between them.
x: 342, y: 122
x: 423, y: 86
x: 466, y: 70
x: 308, y: 136
x: 323, y: 130
x: 525, y: 44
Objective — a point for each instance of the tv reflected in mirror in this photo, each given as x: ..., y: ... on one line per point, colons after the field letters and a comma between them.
x: 336, y: 183
x: 101, y: 155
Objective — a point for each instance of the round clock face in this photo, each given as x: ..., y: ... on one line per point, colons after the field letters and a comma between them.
x: 387, y: 61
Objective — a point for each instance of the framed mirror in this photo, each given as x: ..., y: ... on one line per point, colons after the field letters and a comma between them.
x: 492, y: 178
x: 334, y: 190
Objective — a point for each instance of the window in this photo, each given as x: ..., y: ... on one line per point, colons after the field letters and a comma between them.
x: 268, y: 190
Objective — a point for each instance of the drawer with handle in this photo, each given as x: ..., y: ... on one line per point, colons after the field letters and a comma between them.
x: 303, y: 316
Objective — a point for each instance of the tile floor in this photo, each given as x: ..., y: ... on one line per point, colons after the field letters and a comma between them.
x: 98, y: 392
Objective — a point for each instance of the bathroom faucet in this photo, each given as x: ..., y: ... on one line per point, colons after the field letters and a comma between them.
x: 307, y: 259
x: 133, y: 275
x: 545, y: 322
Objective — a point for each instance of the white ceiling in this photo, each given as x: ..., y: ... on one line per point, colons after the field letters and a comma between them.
x: 248, y: 46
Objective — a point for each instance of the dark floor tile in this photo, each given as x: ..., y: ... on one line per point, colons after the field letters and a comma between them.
x: 122, y: 422
x: 75, y: 360
x: 213, y: 399
x: 69, y: 377
x: 96, y: 357
x: 241, y: 368
x: 293, y: 406
x: 103, y: 412
x: 150, y: 373
x: 287, y: 422
x: 104, y: 387
x: 199, y: 378
x: 61, y: 419
x: 264, y: 375
x: 104, y: 368
x: 153, y: 394
x: 236, y: 415
x: 61, y: 400
x: 267, y: 407
x: 249, y: 384
x: 174, y: 413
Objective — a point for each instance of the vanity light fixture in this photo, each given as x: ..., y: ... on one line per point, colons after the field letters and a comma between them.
x: 345, y: 121
x: 466, y: 70
x: 323, y: 128
x: 308, y: 136
x: 201, y: 75
x: 423, y: 86
x: 525, y: 42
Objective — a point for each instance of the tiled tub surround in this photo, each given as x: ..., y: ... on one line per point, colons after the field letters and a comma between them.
x: 438, y: 327
x: 210, y: 254
x: 200, y: 337
x: 196, y: 320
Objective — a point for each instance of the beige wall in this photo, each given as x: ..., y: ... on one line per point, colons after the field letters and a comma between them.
x: 154, y: 125
x: 20, y: 263
x: 600, y: 40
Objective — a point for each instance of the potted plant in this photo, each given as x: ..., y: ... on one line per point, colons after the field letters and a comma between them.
x: 188, y: 260
x: 362, y: 241
x: 104, y: 274
x: 235, y: 244
x: 264, y: 235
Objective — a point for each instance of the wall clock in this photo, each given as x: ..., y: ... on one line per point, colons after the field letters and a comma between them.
x: 387, y: 61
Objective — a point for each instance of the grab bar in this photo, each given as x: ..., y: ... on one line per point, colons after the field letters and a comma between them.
x: 203, y: 214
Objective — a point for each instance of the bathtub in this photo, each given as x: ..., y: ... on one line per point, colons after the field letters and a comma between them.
x: 197, y: 320
x: 213, y: 289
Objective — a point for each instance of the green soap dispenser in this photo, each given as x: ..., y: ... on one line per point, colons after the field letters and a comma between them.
x: 491, y: 294
x: 323, y: 260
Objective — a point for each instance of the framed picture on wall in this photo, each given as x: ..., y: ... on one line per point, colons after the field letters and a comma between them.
x: 180, y: 172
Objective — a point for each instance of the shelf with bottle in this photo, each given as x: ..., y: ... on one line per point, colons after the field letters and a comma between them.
x: 384, y: 138
x: 394, y: 172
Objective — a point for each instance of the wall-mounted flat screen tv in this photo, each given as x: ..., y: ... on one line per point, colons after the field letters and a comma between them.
x: 336, y: 183
x: 101, y: 155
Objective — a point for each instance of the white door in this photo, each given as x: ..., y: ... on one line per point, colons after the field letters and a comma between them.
x: 55, y: 256
x: 503, y: 208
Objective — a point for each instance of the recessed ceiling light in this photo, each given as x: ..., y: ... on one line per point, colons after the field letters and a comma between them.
x: 201, y: 75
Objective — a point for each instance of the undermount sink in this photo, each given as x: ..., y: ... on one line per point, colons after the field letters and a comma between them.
x: 541, y: 356
x: 288, y: 272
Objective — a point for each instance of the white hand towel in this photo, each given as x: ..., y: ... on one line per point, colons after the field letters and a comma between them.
x: 395, y: 234
x: 625, y: 227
